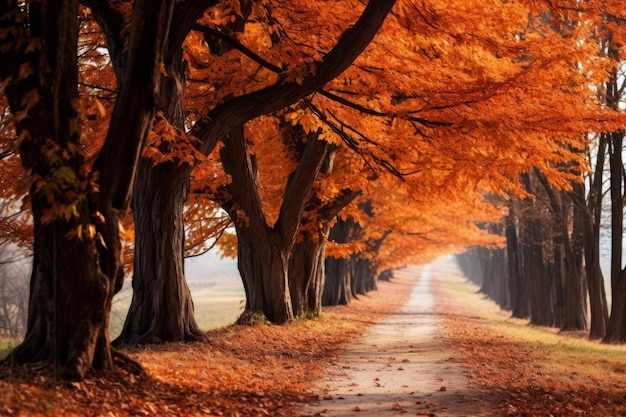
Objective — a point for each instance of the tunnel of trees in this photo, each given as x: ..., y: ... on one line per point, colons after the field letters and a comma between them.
x: 321, y: 143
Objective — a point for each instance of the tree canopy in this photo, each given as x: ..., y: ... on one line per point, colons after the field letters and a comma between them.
x: 412, y: 125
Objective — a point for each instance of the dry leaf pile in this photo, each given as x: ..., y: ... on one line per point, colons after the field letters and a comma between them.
x: 534, y: 378
x: 243, y: 371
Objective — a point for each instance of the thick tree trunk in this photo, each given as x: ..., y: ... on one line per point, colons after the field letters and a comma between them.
x: 339, y: 274
x: 264, y: 251
x: 69, y: 305
x: 306, y: 272
x: 77, y: 262
x: 161, y: 307
x: 263, y: 265
x: 337, y: 282
x: 308, y: 259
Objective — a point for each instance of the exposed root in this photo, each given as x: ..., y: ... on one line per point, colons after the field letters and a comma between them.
x: 252, y: 318
x: 126, y: 363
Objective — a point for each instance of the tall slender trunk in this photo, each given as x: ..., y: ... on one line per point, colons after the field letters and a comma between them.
x: 534, y: 262
x: 591, y: 222
x: 567, y: 259
x: 616, y: 329
x: 518, y: 286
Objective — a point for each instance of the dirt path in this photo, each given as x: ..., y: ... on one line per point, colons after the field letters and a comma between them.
x: 402, y: 366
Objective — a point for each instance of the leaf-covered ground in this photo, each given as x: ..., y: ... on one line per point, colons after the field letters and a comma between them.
x: 266, y: 370
x: 242, y: 371
x: 534, y: 371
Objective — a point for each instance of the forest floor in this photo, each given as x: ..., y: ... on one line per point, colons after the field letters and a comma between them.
x: 435, y: 346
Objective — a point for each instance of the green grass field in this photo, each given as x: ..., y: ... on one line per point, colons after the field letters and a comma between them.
x: 215, y: 307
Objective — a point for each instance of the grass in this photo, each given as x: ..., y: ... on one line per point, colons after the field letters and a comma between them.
x: 241, y: 370
x: 214, y: 307
x: 539, y: 370
x: 6, y: 345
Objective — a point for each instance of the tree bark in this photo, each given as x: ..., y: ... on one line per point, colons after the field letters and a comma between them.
x: 339, y: 271
x: 570, y: 302
x: 307, y: 265
x: 518, y: 286
x: 75, y: 273
x: 534, y: 265
x: 263, y: 256
x: 306, y: 272
x: 162, y: 307
x: 591, y: 237
x: 616, y: 329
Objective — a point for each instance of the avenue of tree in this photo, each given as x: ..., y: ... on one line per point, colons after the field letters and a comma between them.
x: 321, y: 143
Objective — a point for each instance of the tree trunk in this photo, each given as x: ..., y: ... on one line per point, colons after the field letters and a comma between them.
x: 306, y: 272
x: 308, y: 260
x: 263, y: 265
x: 534, y: 260
x: 518, y: 286
x: 264, y: 251
x: 575, y: 294
x: 162, y: 307
x: 570, y: 301
x: 77, y: 262
x: 591, y: 243
x: 337, y: 283
x: 616, y: 329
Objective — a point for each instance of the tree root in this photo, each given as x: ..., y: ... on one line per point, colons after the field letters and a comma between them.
x: 126, y: 363
x: 252, y: 318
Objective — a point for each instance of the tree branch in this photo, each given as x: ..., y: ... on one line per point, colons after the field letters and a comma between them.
x: 222, y: 119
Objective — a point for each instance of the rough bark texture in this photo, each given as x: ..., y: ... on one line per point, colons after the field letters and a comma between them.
x: 263, y: 251
x: 74, y: 278
x: 339, y: 271
x: 306, y: 272
x: 161, y: 307
x: 307, y: 265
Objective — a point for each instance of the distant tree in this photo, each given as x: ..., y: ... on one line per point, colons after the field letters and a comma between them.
x: 14, y: 272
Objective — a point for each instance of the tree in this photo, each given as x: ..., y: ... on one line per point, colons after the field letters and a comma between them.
x: 77, y: 265
x: 161, y: 308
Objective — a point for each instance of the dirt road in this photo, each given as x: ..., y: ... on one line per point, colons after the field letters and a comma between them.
x: 402, y: 366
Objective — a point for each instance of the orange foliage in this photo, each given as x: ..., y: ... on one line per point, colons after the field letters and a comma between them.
x: 242, y: 371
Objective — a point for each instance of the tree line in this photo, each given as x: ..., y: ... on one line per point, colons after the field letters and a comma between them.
x: 342, y: 140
